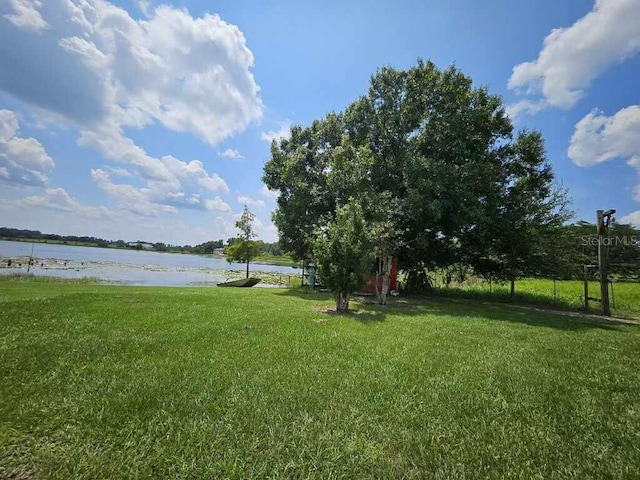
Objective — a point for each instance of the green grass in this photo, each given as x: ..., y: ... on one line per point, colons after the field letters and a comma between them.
x: 125, y: 382
x: 31, y: 278
x: 625, y: 299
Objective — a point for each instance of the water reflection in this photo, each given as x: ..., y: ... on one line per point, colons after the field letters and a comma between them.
x: 132, y: 267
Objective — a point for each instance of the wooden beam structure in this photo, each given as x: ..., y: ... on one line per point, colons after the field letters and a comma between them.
x: 604, y: 218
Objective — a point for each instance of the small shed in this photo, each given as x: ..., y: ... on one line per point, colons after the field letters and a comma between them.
x: 370, y: 278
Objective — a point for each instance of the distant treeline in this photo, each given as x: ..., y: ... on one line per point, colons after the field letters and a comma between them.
x: 205, y: 248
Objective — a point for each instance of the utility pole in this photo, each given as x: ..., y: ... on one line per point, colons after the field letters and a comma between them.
x: 604, y: 218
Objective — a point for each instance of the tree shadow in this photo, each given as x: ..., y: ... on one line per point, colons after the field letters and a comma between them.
x: 366, y: 310
x: 357, y: 313
x: 533, y: 316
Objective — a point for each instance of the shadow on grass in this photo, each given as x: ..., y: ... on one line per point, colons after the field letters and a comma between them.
x: 367, y: 311
x: 357, y: 313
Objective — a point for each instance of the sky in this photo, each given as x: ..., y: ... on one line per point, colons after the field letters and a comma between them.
x: 152, y: 120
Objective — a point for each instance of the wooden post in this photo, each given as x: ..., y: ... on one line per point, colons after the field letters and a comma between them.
x: 30, y: 258
x: 603, y: 257
x: 586, y: 288
x: 613, y: 297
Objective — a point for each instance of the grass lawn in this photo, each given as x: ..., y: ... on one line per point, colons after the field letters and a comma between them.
x: 125, y: 382
x: 624, y: 297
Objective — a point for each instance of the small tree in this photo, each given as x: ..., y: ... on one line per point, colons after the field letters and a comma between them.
x: 343, y: 253
x: 243, y: 248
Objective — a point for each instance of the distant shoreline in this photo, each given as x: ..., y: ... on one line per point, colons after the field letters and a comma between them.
x: 260, y: 260
x: 59, y: 268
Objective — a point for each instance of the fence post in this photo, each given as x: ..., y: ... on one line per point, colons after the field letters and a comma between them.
x: 613, y: 298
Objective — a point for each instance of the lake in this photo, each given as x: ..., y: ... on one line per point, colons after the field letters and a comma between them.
x: 133, y: 267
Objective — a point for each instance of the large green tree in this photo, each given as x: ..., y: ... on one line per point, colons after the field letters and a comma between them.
x: 441, y: 160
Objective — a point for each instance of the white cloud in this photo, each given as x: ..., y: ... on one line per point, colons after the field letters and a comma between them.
x: 26, y: 15
x: 217, y: 205
x: 194, y: 172
x: 119, y: 224
x: 265, y: 230
x: 598, y: 138
x: 232, y: 153
x: 250, y: 202
x: 8, y: 125
x: 143, y: 5
x: 270, y: 194
x: 109, y: 141
x: 283, y: 132
x: 526, y: 107
x: 573, y: 57
x: 106, y: 71
x: 130, y: 198
x: 169, y: 180
x: 633, y: 218
x: 191, y: 75
x: 120, y: 172
x: 59, y: 199
x: 23, y: 160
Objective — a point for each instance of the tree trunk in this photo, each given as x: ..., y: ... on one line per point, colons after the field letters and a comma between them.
x: 386, y: 276
x: 247, y: 268
x: 342, y: 302
x: 513, y: 289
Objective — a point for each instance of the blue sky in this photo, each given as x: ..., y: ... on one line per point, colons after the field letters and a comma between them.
x: 152, y: 119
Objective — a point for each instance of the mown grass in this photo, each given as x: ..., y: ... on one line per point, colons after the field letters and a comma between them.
x: 31, y: 278
x: 624, y: 296
x: 126, y: 382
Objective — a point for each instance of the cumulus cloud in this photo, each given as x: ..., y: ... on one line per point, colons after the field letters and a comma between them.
x: 572, y: 57
x: 169, y: 180
x: 217, y: 205
x: 283, y: 132
x: 232, y: 153
x: 270, y: 194
x: 120, y: 172
x: 22, y: 160
x: 26, y: 15
x: 59, y: 199
x: 598, y: 138
x: 633, y: 218
x: 158, y: 197
x: 128, y: 197
x: 526, y: 107
x: 265, y: 230
x: 250, y: 202
x: 109, y: 141
x: 194, y: 172
x: 95, y: 63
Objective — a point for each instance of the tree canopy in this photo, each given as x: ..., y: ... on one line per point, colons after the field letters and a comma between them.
x: 436, y: 168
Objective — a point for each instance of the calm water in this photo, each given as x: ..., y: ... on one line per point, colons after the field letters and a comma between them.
x: 136, y: 267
